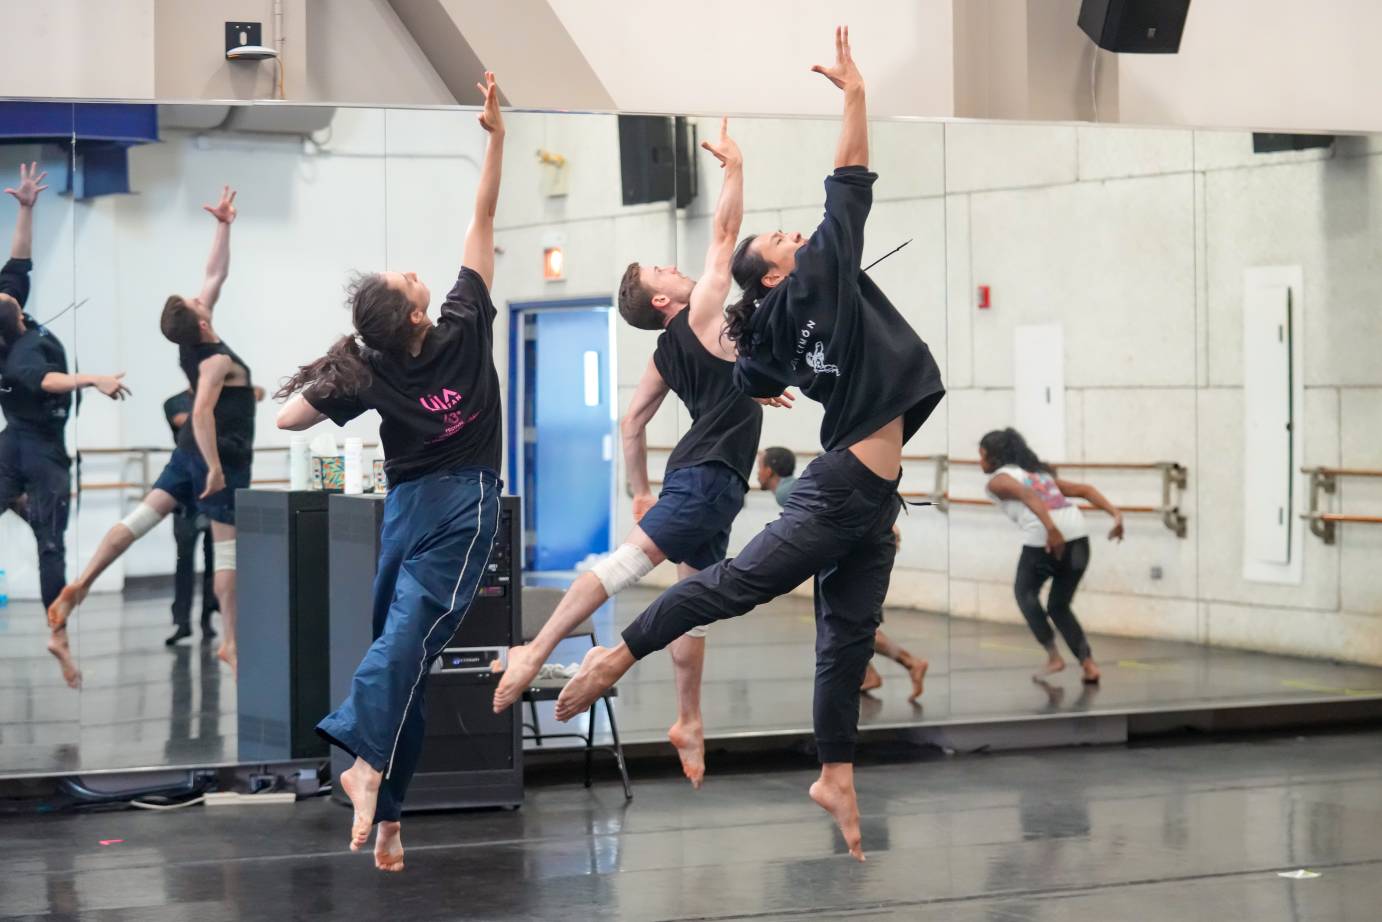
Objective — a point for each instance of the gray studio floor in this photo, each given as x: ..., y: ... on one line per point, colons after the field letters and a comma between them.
x: 1166, y: 831
x: 145, y: 705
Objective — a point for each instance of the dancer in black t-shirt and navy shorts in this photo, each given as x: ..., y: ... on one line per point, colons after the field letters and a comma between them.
x: 214, y: 451
x: 436, y: 388
x: 811, y: 317
x: 707, y: 473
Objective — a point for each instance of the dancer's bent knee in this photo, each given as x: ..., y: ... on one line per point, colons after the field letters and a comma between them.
x: 625, y: 566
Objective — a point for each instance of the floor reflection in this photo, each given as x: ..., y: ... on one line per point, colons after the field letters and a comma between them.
x: 145, y: 704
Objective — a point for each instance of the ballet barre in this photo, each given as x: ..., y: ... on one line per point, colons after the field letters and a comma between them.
x: 1325, y: 525
x: 142, y: 455
x: 1174, y: 478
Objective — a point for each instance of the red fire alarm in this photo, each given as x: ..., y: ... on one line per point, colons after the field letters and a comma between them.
x: 984, y: 297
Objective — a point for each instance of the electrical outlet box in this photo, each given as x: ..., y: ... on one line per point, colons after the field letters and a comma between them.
x: 240, y: 34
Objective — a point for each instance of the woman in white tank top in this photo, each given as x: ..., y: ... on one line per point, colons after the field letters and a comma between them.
x: 1055, y: 541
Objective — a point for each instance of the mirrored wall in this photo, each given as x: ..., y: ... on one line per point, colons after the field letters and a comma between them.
x: 1182, y: 320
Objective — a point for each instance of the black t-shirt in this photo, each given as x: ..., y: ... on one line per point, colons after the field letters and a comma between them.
x: 725, y: 422
x: 14, y: 279
x: 36, y: 353
x: 440, y: 408
x: 177, y: 405
x: 234, y: 412
x: 829, y: 330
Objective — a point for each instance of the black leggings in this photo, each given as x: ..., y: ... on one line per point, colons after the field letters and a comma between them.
x: 836, y: 526
x: 1034, y: 568
x: 37, y: 466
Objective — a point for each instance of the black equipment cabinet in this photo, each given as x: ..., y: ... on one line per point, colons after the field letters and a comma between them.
x: 281, y: 689
x: 471, y: 757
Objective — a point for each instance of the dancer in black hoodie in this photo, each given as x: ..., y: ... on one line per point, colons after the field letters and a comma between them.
x: 811, y: 318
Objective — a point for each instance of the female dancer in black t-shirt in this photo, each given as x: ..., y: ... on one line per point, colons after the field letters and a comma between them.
x: 438, y: 393
x: 812, y: 319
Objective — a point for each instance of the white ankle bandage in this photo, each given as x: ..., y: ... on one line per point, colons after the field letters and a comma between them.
x: 625, y: 566
x: 142, y: 520
x: 223, y: 553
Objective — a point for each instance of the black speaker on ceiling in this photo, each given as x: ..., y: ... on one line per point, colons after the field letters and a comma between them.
x: 1270, y: 143
x: 657, y: 159
x: 1135, y: 26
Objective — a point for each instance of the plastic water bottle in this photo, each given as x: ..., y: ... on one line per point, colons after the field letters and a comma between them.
x: 4, y: 590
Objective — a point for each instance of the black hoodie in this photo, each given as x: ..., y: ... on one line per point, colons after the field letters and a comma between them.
x: 828, y: 330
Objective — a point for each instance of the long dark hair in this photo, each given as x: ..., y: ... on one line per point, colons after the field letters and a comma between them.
x: 1007, y: 446
x: 381, y: 318
x: 748, y: 269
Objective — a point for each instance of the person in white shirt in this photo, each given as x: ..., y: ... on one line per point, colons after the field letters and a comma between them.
x: 1055, y: 541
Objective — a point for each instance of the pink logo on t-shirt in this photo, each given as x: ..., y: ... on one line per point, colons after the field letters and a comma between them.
x: 1045, y: 487
x: 439, y: 403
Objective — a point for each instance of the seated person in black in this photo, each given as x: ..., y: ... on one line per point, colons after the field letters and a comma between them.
x: 36, y: 397
x: 213, y: 455
x: 812, y: 318
x: 706, y: 474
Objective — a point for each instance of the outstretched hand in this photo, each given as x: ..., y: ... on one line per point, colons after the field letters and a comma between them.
x: 490, y: 117
x: 224, y: 210
x: 724, y: 149
x: 113, y: 386
x: 842, y: 73
x: 1116, y: 532
x: 30, y: 184
x: 784, y: 400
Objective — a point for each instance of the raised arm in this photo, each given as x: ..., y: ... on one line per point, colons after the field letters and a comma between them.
x: 1088, y: 492
x: 1004, y: 486
x: 479, y: 237
x: 712, y: 288
x: 853, y: 149
x: 30, y: 185
x: 633, y: 430
x: 211, y: 377
x: 218, y: 263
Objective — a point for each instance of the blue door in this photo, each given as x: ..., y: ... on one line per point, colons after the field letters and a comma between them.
x: 567, y: 431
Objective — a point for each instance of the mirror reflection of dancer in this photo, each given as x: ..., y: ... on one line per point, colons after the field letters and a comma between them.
x: 707, y: 473
x: 776, y: 466
x: 438, y: 393
x: 811, y: 317
x: 214, y: 452
x: 36, y: 397
x: 189, y: 527
x: 1055, y: 541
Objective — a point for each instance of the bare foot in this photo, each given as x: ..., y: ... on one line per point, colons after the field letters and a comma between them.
x: 227, y: 655
x: 600, y: 669
x: 1091, y: 672
x: 62, y: 652
x: 842, y: 804
x: 388, y: 846
x: 917, y: 669
x: 872, y: 679
x: 524, y: 665
x: 1053, y: 665
x: 61, y: 609
x: 689, y: 740
x: 361, y: 784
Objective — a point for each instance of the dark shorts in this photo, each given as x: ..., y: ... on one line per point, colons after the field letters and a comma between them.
x: 691, y: 521
x: 184, y: 478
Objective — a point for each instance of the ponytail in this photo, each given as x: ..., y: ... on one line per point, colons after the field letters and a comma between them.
x: 381, y: 317
x: 748, y: 269
x: 343, y: 371
x: 1007, y: 446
